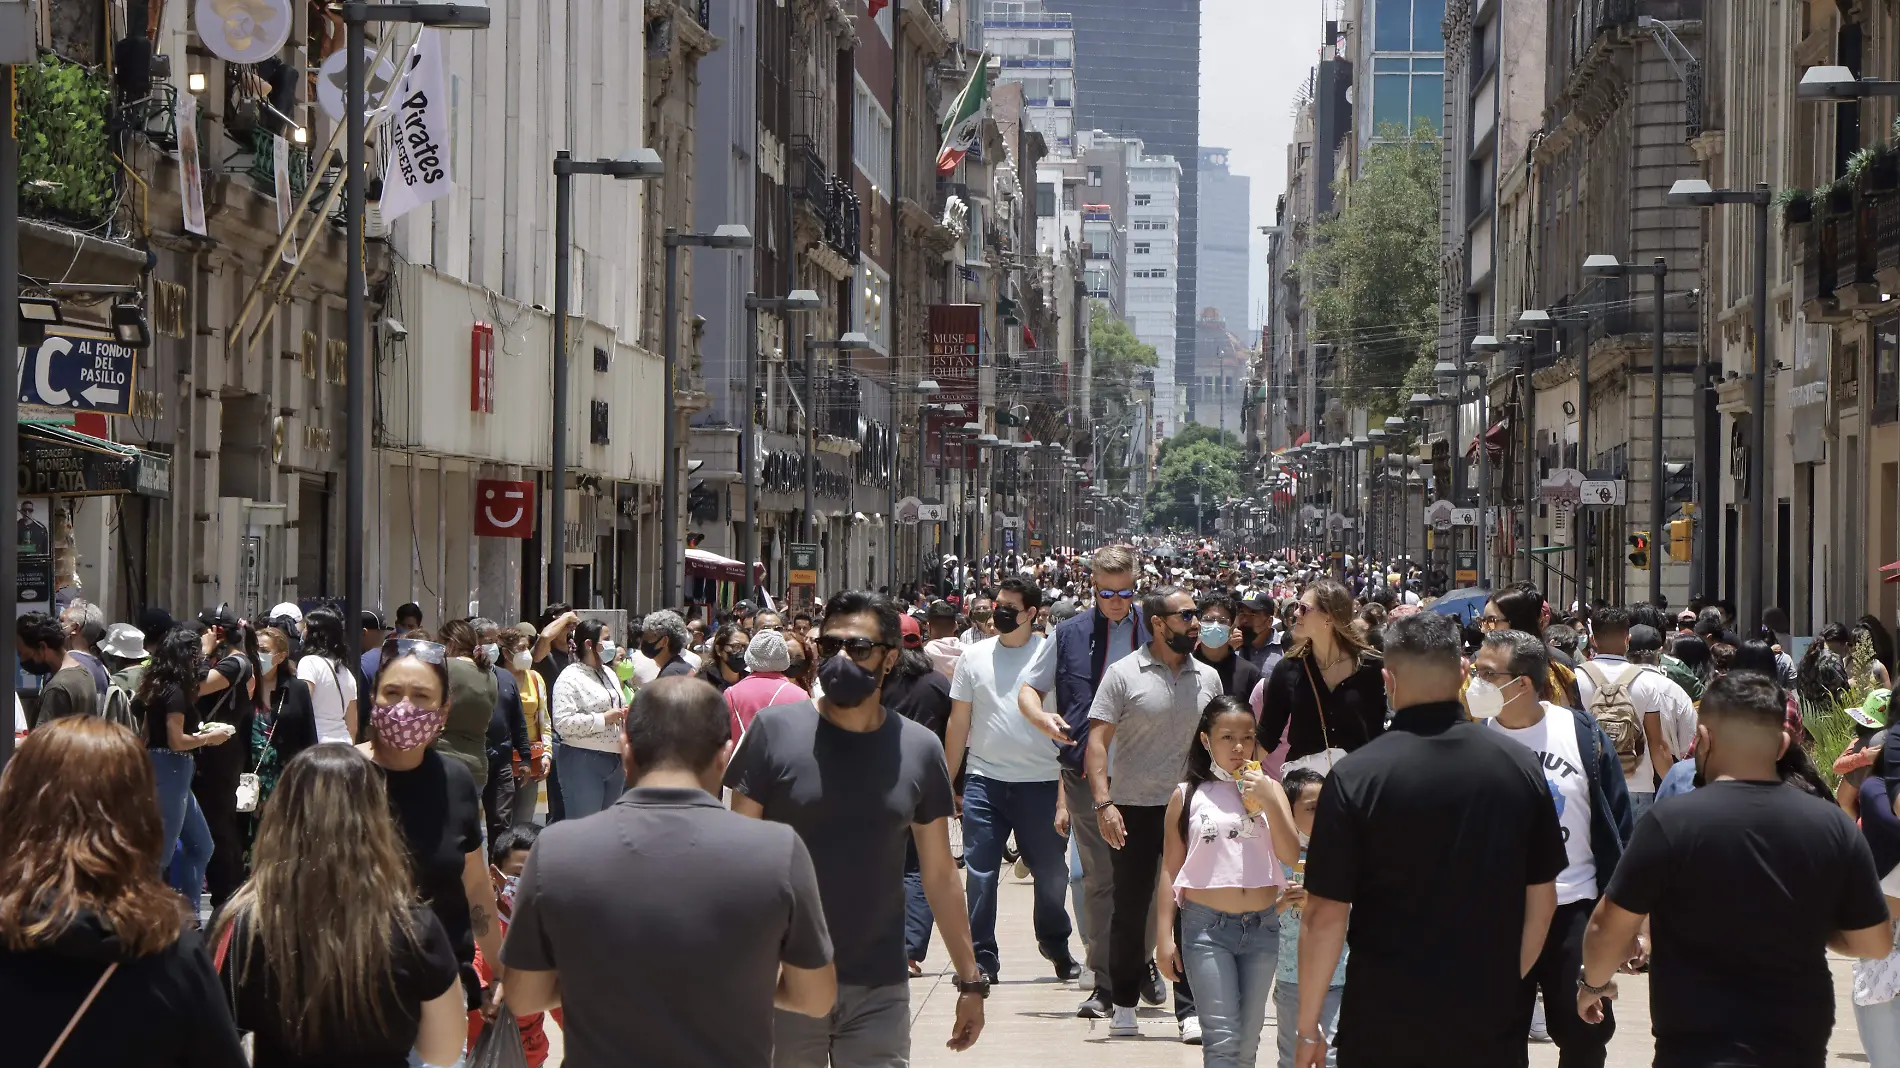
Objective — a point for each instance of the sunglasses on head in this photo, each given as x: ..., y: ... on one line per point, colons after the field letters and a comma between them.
x: 1109, y: 594
x: 426, y: 651
x: 859, y: 648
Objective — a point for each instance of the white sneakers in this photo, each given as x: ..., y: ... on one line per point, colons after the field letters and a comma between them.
x: 1123, y: 1025
x: 1539, y: 1031
x: 1191, y: 1031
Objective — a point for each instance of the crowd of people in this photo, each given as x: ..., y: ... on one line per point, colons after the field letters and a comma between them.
x: 1254, y: 788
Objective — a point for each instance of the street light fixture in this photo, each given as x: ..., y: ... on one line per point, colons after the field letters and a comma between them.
x: 798, y: 300
x: 1838, y: 84
x: 356, y: 17
x: 1607, y: 266
x: 641, y: 163
x: 726, y: 236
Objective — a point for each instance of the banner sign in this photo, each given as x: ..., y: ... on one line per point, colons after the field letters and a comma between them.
x: 956, y: 340
x: 79, y: 374
x: 417, y: 170
x: 804, y: 564
x: 504, y: 509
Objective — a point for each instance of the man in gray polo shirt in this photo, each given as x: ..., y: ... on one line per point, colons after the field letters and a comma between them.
x: 667, y: 925
x: 1149, y: 704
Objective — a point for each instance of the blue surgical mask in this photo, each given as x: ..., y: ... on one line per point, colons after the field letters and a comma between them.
x: 1215, y: 635
x: 608, y: 652
x: 492, y: 652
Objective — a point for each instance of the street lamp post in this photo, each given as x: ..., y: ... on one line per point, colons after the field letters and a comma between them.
x: 641, y: 163
x: 726, y: 236
x: 356, y: 16
x: 1606, y: 266
x: 850, y: 342
x: 1695, y: 192
x: 798, y: 300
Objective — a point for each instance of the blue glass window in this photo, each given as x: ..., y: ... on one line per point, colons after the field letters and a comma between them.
x: 1392, y: 26
x: 1428, y: 30
x: 1387, y: 63
x: 1390, y: 105
x: 1428, y: 98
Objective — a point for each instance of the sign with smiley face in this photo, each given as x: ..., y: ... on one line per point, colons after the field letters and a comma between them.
x: 504, y: 509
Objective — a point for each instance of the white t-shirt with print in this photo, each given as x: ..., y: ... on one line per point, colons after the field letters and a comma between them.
x: 1553, y: 740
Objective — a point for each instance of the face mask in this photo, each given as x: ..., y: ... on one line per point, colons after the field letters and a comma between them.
x: 1182, y: 642
x: 266, y: 661
x: 1215, y: 635
x: 509, y: 884
x: 1007, y: 619
x: 492, y: 652
x: 651, y: 649
x: 845, y: 682
x: 1483, y: 700
x: 404, y: 726
x: 736, y: 662
x: 1247, y: 634
x: 609, y: 652
x: 797, y: 668
x: 522, y: 661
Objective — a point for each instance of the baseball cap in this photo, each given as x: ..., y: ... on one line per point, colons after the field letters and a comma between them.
x: 286, y: 610
x: 942, y: 610
x: 913, y: 634
x: 1257, y: 601
x: 743, y: 608
x: 373, y: 621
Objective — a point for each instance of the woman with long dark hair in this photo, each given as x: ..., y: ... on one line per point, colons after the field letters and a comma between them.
x: 167, y: 704
x: 1229, y: 831
x: 725, y: 664
x: 1328, y: 695
x: 316, y: 984
x: 473, y: 693
x: 325, y: 668
x: 588, y: 712
x: 227, y: 697
x: 1522, y: 607
x: 1876, y: 634
x: 92, y: 942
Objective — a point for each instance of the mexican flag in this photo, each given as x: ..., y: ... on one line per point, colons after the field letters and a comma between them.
x: 966, y: 112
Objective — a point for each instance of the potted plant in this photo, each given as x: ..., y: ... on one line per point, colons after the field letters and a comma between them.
x: 1840, y: 196
x: 1797, y: 206
x: 1875, y: 170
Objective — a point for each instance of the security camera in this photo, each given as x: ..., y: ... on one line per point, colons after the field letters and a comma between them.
x: 394, y: 329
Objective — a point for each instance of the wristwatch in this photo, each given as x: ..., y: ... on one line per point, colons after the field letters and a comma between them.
x: 979, y: 986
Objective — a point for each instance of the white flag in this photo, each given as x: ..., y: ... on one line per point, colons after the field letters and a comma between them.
x: 417, y: 170
x: 281, y: 172
x: 191, y: 177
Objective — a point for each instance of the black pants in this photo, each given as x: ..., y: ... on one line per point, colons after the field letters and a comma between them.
x: 1137, y: 863
x: 498, y: 793
x: 1579, y: 1044
x: 214, y: 783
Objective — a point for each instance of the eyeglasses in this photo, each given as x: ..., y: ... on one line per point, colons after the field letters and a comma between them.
x: 859, y: 648
x: 1495, y: 678
x: 426, y: 651
x: 1489, y: 622
x: 1110, y: 594
x: 1298, y: 609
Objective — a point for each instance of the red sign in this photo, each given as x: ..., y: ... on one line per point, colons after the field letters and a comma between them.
x: 481, y: 369
x: 956, y: 345
x: 503, y: 509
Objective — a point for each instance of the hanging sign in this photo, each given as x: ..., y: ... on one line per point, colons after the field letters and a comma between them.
x: 503, y: 509
x: 243, y: 31
x: 417, y: 169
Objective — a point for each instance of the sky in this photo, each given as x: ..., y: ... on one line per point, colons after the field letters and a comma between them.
x: 1255, y: 54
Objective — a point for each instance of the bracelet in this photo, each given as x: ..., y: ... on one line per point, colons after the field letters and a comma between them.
x: 1320, y: 1041
x: 1103, y: 805
x: 1594, y: 991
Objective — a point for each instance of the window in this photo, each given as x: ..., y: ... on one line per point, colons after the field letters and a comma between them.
x: 871, y: 137
x: 868, y: 299
x: 1045, y: 200
x: 1142, y: 199
x: 1095, y: 176
x: 1402, y: 100
x: 1152, y: 272
x: 1408, y: 26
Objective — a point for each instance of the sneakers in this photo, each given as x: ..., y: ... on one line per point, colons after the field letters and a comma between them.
x: 1122, y: 1024
x: 1154, y: 991
x: 916, y: 970
x: 1539, y: 1031
x: 1097, y: 1007
x: 1191, y: 1031
x: 1021, y: 869
x: 1066, y: 967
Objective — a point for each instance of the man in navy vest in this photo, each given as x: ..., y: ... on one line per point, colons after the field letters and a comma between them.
x: 1072, y: 666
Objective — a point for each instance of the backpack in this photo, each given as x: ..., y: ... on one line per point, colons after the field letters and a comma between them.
x: 116, y: 706
x: 1613, y: 710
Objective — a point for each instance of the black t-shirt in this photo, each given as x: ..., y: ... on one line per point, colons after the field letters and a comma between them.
x: 422, y: 967
x: 439, y: 809
x: 1743, y: 884
x: 165, y: 699
x: 1355, y: 709
x: 220, y: 765
x: 923, y: 698
x: 1432, y: 832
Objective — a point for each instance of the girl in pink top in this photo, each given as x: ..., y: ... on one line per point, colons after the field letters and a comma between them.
x: 1229, y: 830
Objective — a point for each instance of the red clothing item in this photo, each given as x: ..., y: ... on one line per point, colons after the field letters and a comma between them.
x: 763, y: 690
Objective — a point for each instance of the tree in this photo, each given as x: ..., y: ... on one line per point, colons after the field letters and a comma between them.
x: 1372, y: 271
x: 1117, y: 360
x: 1198, y: 459
x: 1194, y: 433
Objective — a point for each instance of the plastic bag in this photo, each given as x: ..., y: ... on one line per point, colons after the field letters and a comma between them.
x: 499, y: 1045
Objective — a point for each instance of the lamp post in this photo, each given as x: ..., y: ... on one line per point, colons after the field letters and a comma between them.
x: 1694, y: 192
x: 1606, y: 266
x: 1457, y: 374
x: 20, y: 49
x: 356, y: 16
x: 798, y: 300
x: 641, y: 163
x: 925, y: 389
x: 726, y: 236
x: 850, y: 342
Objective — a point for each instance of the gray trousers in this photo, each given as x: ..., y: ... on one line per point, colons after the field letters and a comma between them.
x: 1097, y: 906
x: 869, y: 1027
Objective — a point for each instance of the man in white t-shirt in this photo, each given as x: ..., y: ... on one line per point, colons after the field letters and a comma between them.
x: 1510, y: 683
x: 1668, y: 715
x: 1013, y: 782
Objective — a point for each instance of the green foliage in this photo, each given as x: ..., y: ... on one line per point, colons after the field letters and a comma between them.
x: 1830, y: 729
x: 1419, y: 379
x: 1372, y: 272
x: 1117, y: 358
x: 1198, y: 458
x: 66, y: 165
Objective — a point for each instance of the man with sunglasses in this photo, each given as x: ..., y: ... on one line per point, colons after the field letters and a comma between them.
x: 858, y: 783
x: 1072, y: 666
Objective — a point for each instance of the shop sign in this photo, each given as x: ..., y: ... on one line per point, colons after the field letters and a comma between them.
x: 504, y: 509
x: 1467, y: 569
x: 82, y: 374
x: 804, y: 563
x: 62, y: 470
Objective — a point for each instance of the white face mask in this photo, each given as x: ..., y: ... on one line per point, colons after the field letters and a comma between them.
x: 608, y: 652
x: 1483, y: 700
x: 266, y: 661
x: 523, y: 661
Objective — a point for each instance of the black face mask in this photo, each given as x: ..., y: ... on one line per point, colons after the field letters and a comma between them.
x: 797, y: 668
x: 1182, y: 642
x: 1008, y: 618
x: 736, y: 661
x: 1247, y: 634
x: 650, y: 650
x: 847, y: 682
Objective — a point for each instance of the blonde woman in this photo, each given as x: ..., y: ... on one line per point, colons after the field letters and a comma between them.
x: 1327, y: 697
x: 318, y: 984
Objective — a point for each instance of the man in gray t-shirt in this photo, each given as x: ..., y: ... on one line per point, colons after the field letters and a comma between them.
x: 616, y: 916
x: 1148, y: 705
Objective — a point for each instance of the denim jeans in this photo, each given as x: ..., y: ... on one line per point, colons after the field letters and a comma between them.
x: 193, y: 855
x: 1230, y: 959
x: 917, y: 916
x: 1880, y: 1032
x: 187, y: 837
x: 1286, y: 1012
x: 869, y: 1027
x: 993, y: 808
x: 590, y: 780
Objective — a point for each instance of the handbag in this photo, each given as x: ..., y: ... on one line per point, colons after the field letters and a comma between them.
x: 1323, y: 761
x: 77, y: 1013
x: 249, y: 787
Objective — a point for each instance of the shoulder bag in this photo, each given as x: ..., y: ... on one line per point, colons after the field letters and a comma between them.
x: 1322, y: 761
x: 250, y: 787
x: 77, y: 1014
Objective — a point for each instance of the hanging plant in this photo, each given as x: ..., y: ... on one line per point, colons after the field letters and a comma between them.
x: 66, y: 165
x: 1797, y: 206
x: 1881, y: 172
x: 1840, y: 196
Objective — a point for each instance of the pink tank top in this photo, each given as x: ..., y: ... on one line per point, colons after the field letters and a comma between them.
x: 1226, y: 848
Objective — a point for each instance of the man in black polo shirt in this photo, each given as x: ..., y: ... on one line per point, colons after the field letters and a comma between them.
x: 617, y: 915
x: 1441, y: 839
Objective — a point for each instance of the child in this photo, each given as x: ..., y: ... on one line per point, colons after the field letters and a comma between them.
x: 1302, y: 792
x: 507, y: 855
x: 1230, y: 839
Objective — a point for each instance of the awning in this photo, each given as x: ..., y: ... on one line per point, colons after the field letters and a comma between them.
x: 56, y: 461
x: 1890, y: 572
x: 709, y: 565
x: 1495, y: 438
x: 1305, y: 436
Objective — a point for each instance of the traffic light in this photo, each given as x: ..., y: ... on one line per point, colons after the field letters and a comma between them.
x: 1679, y: 481
x: 1639, y: 550
x: 1681, y: 537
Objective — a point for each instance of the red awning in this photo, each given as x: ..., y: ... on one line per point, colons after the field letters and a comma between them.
x: 1494, y: 439
x: 1305, y: 436
x: 703, y: 564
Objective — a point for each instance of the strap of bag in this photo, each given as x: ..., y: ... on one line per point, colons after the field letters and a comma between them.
x: 1319, y: 702
x: 780, y: 690
x: 77, y: 1013
x: 277, y: 715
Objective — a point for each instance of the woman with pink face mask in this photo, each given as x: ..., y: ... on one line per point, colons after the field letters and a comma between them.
x: 434, y: 800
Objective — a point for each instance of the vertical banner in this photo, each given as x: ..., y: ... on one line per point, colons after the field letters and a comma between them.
x: 417, y: 170
x: 954, y: 357
x: 281, y: 173
x: 190, y: 175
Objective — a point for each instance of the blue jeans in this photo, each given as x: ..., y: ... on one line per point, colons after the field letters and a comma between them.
x: 1639, y: 804
x: 993, y: 808
x: 1286, y: 1012
x: 187, y: 837
x: 917, y: 915
x: 173, y: 771
x: 1076, y: 896
x: 590, y: 779
x: 1231, y: 958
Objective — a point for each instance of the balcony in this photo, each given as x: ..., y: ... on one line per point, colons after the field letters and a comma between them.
x: 1622, y: 306
x: 831, y: 198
